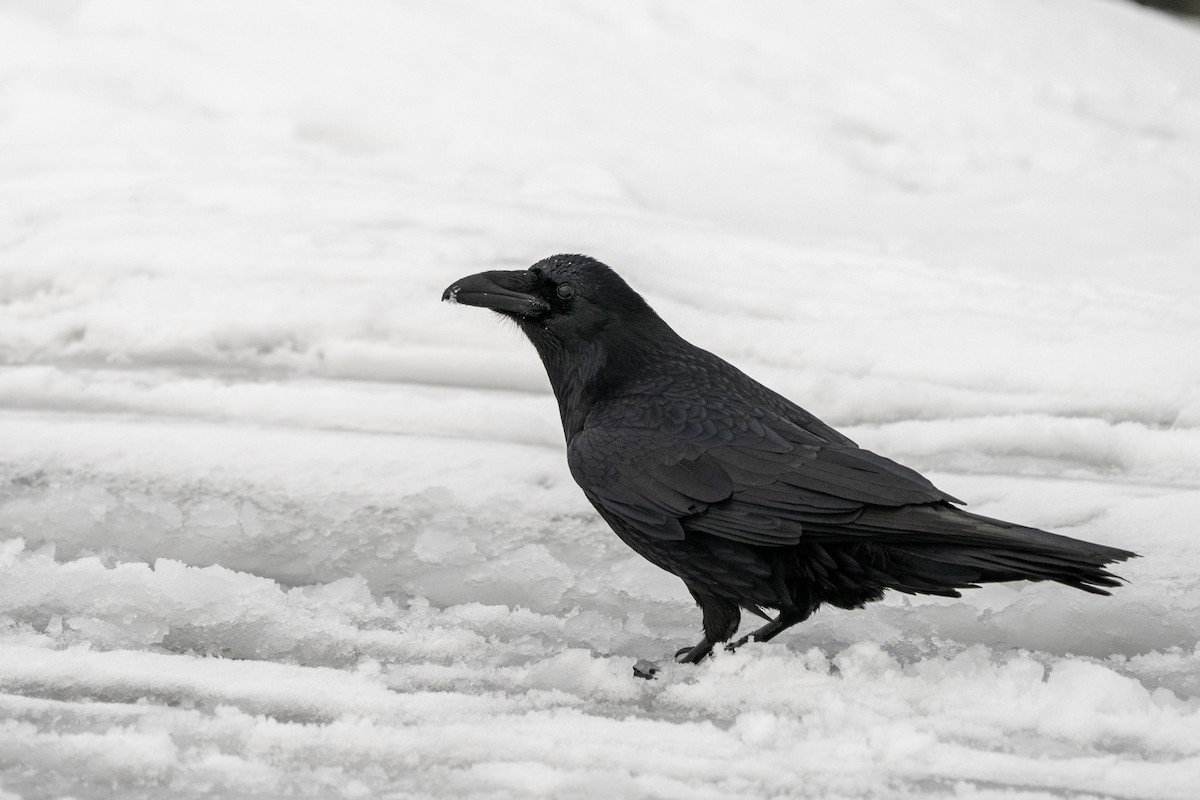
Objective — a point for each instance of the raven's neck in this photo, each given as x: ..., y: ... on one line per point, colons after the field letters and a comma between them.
x: 585, y: 372
x: 578, y: 379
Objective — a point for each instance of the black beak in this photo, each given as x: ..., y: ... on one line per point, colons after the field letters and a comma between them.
x: 507, y: 292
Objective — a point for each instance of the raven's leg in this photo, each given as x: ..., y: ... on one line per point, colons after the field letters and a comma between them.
x: 721, y: 620
x: 766, y: 633
x: 696, y: 653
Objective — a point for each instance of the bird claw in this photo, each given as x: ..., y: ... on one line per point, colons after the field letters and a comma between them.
x: 694, y: 655
x: 646, y: 670
x: 729, y: 648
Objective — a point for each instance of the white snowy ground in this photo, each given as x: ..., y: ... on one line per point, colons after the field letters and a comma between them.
x: 276, y: 521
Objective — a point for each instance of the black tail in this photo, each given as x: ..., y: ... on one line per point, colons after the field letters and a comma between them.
x: 937, y: 549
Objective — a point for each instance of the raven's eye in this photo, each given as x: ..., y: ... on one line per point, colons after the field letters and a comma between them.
x: 565, y: 291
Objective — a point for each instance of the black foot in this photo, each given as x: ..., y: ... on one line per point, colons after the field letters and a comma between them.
x: 767, y: 632
x: 694, y: 655
x: 645, y: 669
x: 735, y: 645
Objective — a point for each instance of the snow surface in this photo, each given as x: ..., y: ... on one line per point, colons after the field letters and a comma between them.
x: 275, y: 521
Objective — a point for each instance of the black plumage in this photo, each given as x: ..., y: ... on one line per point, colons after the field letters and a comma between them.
x: 751, y: 500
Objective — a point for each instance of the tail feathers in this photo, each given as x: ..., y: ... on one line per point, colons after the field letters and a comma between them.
x: 938, y: 549
x: 966, y: 567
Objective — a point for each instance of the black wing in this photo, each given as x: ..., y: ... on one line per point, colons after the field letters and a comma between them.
x: 747, y: 474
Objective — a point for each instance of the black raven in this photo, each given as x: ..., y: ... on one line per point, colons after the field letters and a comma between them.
x: 751, y: 500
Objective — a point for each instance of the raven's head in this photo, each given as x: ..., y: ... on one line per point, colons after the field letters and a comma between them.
x: 561, y: 302
x: 591, y: 330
